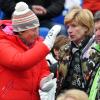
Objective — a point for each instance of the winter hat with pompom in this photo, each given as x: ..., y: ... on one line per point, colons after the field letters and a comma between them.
x: 23, y: 18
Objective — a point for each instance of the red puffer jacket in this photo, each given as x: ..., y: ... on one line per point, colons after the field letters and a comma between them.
x: 21, y: 68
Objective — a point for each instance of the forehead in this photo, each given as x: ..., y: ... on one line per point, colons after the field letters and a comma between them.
x: 69, y: 98
x: 73, y: 23
x: 97, y: 24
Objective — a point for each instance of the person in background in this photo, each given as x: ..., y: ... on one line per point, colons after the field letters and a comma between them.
x: 59, y: 42
x: 62, y: 57
x: 92, y: 5
x: 44, y: 9
x: 95, y: 88
x: 80, y: 25
x: 97, y: 26
x: 24, y: 72
x: 73, y: 94
x: 53, y: 57
x: 91, y: 62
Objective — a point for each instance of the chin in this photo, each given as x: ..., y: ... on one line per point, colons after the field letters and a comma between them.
x: 72, y: 39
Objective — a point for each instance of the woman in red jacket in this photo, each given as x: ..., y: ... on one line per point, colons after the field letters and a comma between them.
x: 22, y: 65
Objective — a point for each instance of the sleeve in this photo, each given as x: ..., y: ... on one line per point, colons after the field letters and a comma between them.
x: 45, y: 70
x: 8, y: 7
x: 54, y: 9
x: 12, y: 58
x: 97, y: 47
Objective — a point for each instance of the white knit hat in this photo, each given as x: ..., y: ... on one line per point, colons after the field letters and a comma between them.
x: 23, y: 18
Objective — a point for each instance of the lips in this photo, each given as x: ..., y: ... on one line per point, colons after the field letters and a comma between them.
x: 98, y: 41
x: 97, y: 38
x: 72, y: 36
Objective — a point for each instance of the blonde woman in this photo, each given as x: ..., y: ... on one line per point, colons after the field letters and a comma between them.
x: 73, y: 94
x: 80, y: 25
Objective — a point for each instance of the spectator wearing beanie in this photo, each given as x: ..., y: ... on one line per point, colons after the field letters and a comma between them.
x: 23, y: 18
x: 23, y: 70
x: 46, y: 10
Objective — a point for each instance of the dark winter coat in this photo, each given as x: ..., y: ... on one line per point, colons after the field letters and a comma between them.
x: 74, y: 77
x: 53, y: 7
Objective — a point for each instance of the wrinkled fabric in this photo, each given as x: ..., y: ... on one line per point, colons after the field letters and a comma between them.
x: 21, y: 68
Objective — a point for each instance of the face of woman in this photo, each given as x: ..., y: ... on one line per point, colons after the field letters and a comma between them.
x: 56, y: 53
x: 97, y: 31
x: 76, y: 32
x: 29, y: 35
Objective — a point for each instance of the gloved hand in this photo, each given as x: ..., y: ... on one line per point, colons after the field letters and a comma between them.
x: 48, y: 94
x: 46, y: 83
x: 50, y: 38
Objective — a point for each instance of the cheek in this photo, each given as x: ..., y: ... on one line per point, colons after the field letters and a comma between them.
x: 33, y: 36
x: 81, y: 33
x: 98, y: 32
x: 29, y: 36
x: 56, y: 53
x: 77, y: 31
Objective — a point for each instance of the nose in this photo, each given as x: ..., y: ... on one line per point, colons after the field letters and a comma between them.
x: 69, y: 30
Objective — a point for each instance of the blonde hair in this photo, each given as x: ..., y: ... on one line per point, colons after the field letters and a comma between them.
x: 73, y: 93
x: 83, y: 17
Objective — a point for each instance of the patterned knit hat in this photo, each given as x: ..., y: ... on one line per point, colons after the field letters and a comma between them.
x: 23, y: 18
